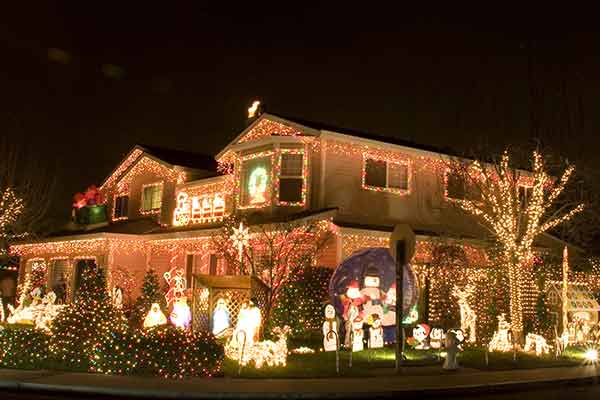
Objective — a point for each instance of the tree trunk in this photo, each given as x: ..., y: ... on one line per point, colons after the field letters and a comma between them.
x: 516, y: 307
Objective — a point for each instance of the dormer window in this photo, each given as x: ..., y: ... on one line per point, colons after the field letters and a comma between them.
x: 292, y: 177
x: 385, y: 175
x: 151, y: 198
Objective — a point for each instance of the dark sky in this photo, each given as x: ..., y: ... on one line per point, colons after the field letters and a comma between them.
x: 84, y: 84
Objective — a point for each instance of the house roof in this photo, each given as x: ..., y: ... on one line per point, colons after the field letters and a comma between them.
x: 365, y: 135
x: 182, y: 158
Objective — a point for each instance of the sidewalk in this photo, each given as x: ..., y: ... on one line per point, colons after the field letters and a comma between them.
x: 415, y: 381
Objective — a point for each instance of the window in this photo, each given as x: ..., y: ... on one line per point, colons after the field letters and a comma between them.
x: 291, y: 179
x: 255, y: 182
x: 385, y: 175
x: 121, y: 207
x: 152, y: 197
x: 459, y: 188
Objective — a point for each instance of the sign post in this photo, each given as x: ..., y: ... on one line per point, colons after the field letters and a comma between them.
x: 402, y: 247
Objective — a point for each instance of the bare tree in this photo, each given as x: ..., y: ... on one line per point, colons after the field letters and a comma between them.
x: 25, y: 192
x: 515, y: 207
x: 274, y: 252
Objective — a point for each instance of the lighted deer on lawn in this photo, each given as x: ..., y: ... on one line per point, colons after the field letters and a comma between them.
x: 468, y: 318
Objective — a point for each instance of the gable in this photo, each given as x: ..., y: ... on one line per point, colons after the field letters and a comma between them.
x: 265, y: 126
x: 137, y: 162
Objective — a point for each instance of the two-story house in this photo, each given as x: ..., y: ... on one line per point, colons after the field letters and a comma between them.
x: 163, y: 205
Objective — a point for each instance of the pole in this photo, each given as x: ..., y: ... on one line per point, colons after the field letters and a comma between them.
x: 400, y: 261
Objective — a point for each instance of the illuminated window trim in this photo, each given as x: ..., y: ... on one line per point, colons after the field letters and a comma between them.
x: 239, y: 188
x: 277, y: 173
x: 376, y: 157
x: 154, y: 210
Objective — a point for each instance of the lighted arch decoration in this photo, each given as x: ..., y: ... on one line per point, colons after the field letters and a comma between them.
x: 354, y: 268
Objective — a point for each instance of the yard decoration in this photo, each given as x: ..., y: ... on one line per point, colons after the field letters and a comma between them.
x: 249, y: 322
x: 537, y: 343
x: 155, y: 317
x: 330, y: 329
x: 175, y: 278
x: 502, y: 339
x: 221, y: 318
x: 264, y: 352
x: 376, y: 333
x: 376, y: 269
x: 371, y: 293
x: 117, y: 297
x: 436, y: 338
x: 357, y: 334
x: 420, y: 335
x: 451, y: 344
x: 468, y: 318
x: 151, y: 294
x: 181, y: 316
x: 40, y: 312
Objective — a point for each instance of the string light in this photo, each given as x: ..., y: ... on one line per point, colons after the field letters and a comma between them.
x: 514, y: 224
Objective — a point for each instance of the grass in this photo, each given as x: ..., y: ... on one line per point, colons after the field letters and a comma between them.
x: 380, y: 362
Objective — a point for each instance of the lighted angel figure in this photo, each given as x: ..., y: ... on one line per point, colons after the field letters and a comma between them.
x: 154, y: 317
x: 221, y: 318
x: 249, y: 321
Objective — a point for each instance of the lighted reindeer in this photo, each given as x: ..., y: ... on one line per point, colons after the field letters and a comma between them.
x: 468, y: 318
x: 265, y: 352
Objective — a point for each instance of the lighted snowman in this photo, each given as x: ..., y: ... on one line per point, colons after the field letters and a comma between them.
x: 358, y: 334
x: 352, y: 301
x: 376, y: 333
x: 371, y: 293
x: 330, y: 329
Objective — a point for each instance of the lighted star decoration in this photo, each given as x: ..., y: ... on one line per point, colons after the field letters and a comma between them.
x: 240, y: 238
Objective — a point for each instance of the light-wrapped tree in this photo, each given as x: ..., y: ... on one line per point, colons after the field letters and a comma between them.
x: 516, y: 207
x: 82, y: 324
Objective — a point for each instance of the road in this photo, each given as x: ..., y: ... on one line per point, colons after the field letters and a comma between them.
x: 580, y: 392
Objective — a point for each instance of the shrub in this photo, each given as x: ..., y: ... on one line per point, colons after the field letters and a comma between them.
x: 162, y: 351
x: 24, y: 348
x: 300, y: 305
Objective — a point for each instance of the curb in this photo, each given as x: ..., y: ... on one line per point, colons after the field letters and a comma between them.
x: 464, y: 390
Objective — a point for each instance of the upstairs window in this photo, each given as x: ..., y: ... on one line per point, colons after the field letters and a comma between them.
x: 385, y: 176
x: 291, y: 178
x: 256, y: 180
x: 525, y: 193
x: 121, y: 207
x: 460, y: 188
x: 151, y: 198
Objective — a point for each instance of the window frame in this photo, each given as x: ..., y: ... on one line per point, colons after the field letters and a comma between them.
x: 465, y: 185
x: 142, y: 199
x: 387, y: 189
x: 124, y: 216
x: 303, y: 176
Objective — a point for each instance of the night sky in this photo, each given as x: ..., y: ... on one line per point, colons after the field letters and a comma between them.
x: 82, y: 85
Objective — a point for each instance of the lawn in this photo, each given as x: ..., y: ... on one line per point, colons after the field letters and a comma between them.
x: 381, y: 362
